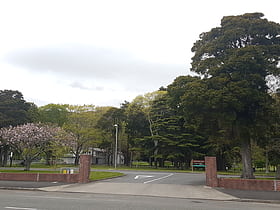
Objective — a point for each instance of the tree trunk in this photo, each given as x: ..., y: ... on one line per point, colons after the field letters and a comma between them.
x: 277, y: 174
x: 161, y: 162
x: 131, y: 159
x: 5, y: 158
x: 156, y: 153
x: 127, y: 155
x: 27, y: 164
x: 48, y: 158
x: 11, y: 161
x: 77, y: 154
x: 150, y: 161
x: 247, y: 171
x: 266, y: 162
x: 77, y: 158
x: 155, y: 157
x: 1, y: 156
x: 4, y: 155
x: 221, y: 165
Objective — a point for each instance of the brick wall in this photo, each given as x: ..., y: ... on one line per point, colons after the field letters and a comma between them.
x: 84, y: 170
x: 277, y: 185
x: 68, y: 178
x: 37, y: 177
x: 249, y: 184
x: 17, y: 177
x: 211, y: 172
x: 81, y: 177
x: 241, y: 184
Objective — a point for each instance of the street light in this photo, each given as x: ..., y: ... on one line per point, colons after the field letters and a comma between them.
x: 116, y: 145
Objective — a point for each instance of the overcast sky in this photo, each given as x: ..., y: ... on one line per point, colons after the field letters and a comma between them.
x: 103, y: 52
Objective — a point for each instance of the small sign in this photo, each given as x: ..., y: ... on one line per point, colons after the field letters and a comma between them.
x: 198, y: 164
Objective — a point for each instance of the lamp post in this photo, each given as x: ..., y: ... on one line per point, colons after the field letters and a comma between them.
x: 116, y: 145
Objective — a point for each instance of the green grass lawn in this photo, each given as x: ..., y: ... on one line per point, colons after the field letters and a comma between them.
x: 99, y: 175
x: 270, y: 174
x: 104, y: 167
x: 94, y: 175
x: 22, y: 171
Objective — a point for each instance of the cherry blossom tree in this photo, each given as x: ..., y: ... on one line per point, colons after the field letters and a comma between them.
x: 29, y: 140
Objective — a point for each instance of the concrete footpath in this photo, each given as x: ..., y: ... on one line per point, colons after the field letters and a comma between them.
x: 160, y: 190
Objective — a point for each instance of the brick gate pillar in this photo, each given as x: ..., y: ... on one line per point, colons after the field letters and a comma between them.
x: 84, y: 170
x: 211, y: 172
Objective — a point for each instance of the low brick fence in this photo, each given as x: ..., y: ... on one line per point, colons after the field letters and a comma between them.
x: 81, y: 177
x: 40, y: 177
x: 241, y: 184
x: 249, y: 184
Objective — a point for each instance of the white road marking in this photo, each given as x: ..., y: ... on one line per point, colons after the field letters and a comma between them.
x: 19, y: 208
x: 50, y: 197
x: 164, y: 177
x: 71, y: 198
x: 142, y: 176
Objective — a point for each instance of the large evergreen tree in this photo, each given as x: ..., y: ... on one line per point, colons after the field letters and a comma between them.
x: 235, y: 61
x: 14, y: 110
x: 176, y: 140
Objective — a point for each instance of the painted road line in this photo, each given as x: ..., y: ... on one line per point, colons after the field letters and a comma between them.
x: 164, y: 177
x: 19, y: 208
x: 142, y: 176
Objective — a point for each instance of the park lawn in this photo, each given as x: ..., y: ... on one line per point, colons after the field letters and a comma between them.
x: 94, y: 175
x: 22, y: 171
x: 270, y: 174
x: 100, y: 175
x: 103, y: 167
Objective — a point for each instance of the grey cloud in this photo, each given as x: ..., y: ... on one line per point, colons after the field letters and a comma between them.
x: 84, y: 87
x: 97, y: 63
x: 70, y: 59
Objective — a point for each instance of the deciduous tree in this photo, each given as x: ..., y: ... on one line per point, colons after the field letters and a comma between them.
x: 53, y: 113
x: 29, y: 140
x: 82, y: 123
